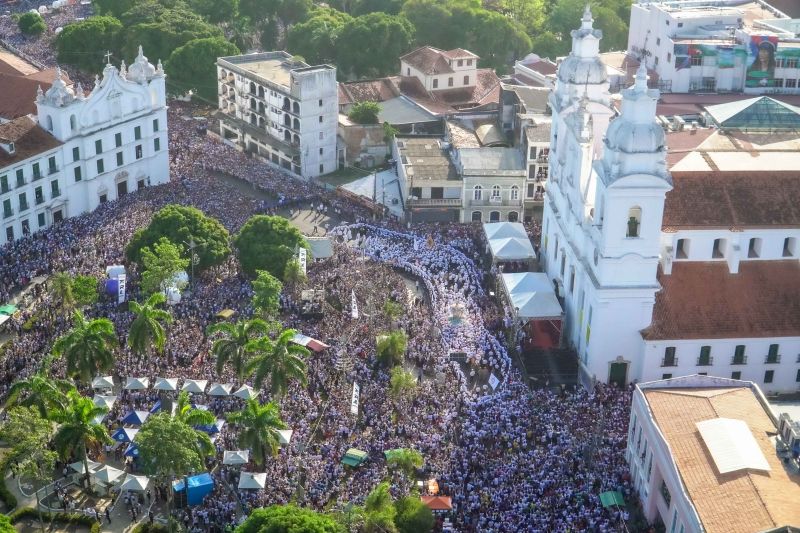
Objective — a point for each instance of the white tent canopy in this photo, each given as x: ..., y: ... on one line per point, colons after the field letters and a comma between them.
x: 249, y: 480
x: 246, y: 392
x: 114, y: 271
x: 104, y: 401
x: 103, y: 382
x: 285, y: 435
x: 196, y: 386
x: 220, y: 389
x: 168, y: 384
x: 235, y: 457
x: 532, y: 293
x: 508, y: 241
x: 108, y: 474
x: 78, y: 467
x: 135, y: 483
x: 504, y: 230
x: 137, y: 383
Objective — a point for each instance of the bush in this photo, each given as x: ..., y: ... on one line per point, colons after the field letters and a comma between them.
x: 61, y: 518
x: 6, y: 496
x: 30, y: 323
x: 146, y: 527
x: 31, y: 23
x: 268, y: 243
x: 365, y: 113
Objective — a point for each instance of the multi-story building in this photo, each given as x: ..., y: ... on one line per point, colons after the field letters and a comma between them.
x: 281, y: 110
x: 702, y: 457
x: 717, y: 45
x: 667, y: 274
x: 84, y: 149
x: 493, y: 180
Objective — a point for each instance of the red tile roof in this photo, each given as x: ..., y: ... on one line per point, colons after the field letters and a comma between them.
x: 438, y: 503
x: 682, y: 143
x: 19, y: 91
x: 732, y: 200
x: 702, y: 300
x: 29, y: 140
x: 542, y: 66
x: 428, y: 60
x: 379, y: 90
x: 459, y: 53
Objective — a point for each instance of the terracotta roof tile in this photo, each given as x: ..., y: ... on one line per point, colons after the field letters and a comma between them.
x: 459, y: 53
x: 702, y: 300
x: 378, y: 90
x: 19, y: 91
x: 29, y: 140
x: 733, y: 200
x: 428, y: 60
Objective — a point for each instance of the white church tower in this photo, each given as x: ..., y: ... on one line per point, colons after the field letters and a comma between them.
x: 603, y: 210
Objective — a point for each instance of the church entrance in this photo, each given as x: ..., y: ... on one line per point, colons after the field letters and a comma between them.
x: 617, y: 374
x: 122, y: 189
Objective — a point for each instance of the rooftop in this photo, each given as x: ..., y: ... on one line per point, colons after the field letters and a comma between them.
x: 430, y: 60
x: 425, y: 158
x: 18, y: 83
x: 534, y: 99
x: 760, y: 113
x: 271, y: 66
x: 491, y: 161
x: 703, y: 300
x: 740, y: 501
x: 29, y: 140
x: 539, y: 132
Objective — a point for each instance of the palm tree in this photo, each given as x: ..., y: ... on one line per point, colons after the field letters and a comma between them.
x: 392, y: 347
x: 87, y: 347
x: 61, y: 290
x: 147, y: 329
x: 230, y: 347
x: 41, y: 392
x: 280, y: 359
x: 259, y: 429
x: 79, y: 429
x: 379, y: 511
x: 186, y: 414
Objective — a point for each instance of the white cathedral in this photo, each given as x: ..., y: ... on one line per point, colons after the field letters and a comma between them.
x: 638, y: 305
x: 83, y: 150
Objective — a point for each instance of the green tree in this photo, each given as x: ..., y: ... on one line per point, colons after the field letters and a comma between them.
x: 83, y: 44
x: 179, y: 224
x: 216, y: 11
x: 391, y: 34
x: 281, y: 360
x: 87, y: 347
x: 390, y: 7
x: 40, y: 392
x: 566, y: 15
x: 393, y: 310
x: 293, y: 11
x: 407, y: 461
x: 61, y: 290
x: 32, y: 457
x: 267, y: 243
x: 114, y: 8
x: 143, y: 11
x: 288, y: 519
x: 266, y: 293
x: 258, y: 10
x: 315, y: 39
x: 259, y: 425
x: 401, y: 382
x: 413, y: 516
x: 31, y: 23
x: 147, y: 329
x: 79, y: 431
x: 392, y: 347
x: 378, y: 511
x: 193, y: 418
x: 497, y: 39
x: 293, y: 274
x: 161, y: 264
x: 84, y: 289
x: 193, y: 65
x: 7, y: 527
x: 231, y: 345
x: 364, y: 113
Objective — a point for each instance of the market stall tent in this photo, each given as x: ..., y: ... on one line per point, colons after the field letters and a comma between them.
x: 135, y: 418
x: 103, y: 382
x: 166, y: 384
x: 220, y: 389
x: 135, y: 483
x: 534, y: 302
x: 246, y: 392
x: 354, y: 457
x: 196, y: 386
x: 308, y: 342
x: 508, y: 241
x: 251, y: 481
x: 124, y: 434
x: 104, y: 401
x: 236, y: 457
x: 137, y: 383
x: 285, y: 436
x: 438, y: 503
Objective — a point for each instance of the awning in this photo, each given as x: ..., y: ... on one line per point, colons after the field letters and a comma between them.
x: 78, y: 467
x: 4, y: 319
x: 251, y: 481
x: 321, y: 247
x: 533, y: 295
x: 438, y: 503
x: 197, y: 386
x: 137, y: 383
x: 308, y: 342
x: 612, y: 498
x: 211, y: 429
x: 104, y: 401
x: 135, y: 483
x: 225, y: 314
x: 246, y: 392
x: 103, y: 382
x: 220, y: 389
x: 132, y: 450
x: 124, y: 434
x: 108, y: 474
x: 512, y: 249
x: 285, y: 436
x: 135, y: 418
x: 114, y: 271
x: 504, y: 230
x: 235, y: 457
x: 167, y: 384
x: 8, y: 309
x: 354, y: 457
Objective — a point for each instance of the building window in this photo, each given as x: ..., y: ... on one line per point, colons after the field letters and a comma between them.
x: 98, y: 146
x: 514, y: 192
x: 7, y: 211
x: 76, y: 154
x: 658, y: 41
x: 754, y: 247
x: 156, y: 144
x: 37, y: 172
x: 739, y: 358
x: 719, y: 249
x: 137, y: 133
x: 435, y: 84
x: 768, y: 375
x: 155, y: 123
x: 450, y: 81
x: 669, y: 57
x: 320, y: 151
x: 139, y: 152
x: 20, y: 178
x: 736, y: 375
x: 494, y: 216
x: 495, y: 191
x: 669, y: 357
x: 666, y: 376
x: 54, y: 189
x: 466, y: 80
x: 119, y: 159
x: 40, y: 218
x: 789, y: 247
x: 705, y: 358
x: 460, y: 62
x: 477, y: 192
x: 23, y: 202
x: 38, y: 195
x: 797, y: 377
x: 665, y: 493
x: 476, y: 216
x: 103, y: 198
x: 408, y: 73
x: 320, y: 119
x: 697, y: 61
x: 791, y: 84
x: 51, y: 165
x: 777, y: 82
x: 791, y: 62
x: 77, y: 172
x: 117, y: 140
x: 469, y: 62
x: 772, y: 355
x: 634, y: 221
x: 9, y: 234
x: 320, y: 103
x: 531, y: 190
x: 321, y: 169
x: 100, y: 167
x: 4, y: 184
x: 656, y: 61
x: 682, y: 249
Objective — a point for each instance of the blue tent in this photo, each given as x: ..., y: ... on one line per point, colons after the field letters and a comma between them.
x: 124, y: 434
x: 199, y: 486
x: 211, y: 429
x: 156, y: 408
x: 135, y: 418
x: 132, y: 450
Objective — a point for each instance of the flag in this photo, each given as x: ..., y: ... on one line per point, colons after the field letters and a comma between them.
x: 353, y: 305
x: 416, y: 244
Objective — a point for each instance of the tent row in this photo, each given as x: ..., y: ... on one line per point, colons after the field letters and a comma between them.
x: 195, y: 386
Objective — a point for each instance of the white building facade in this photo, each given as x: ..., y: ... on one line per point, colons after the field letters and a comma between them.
x: 280, y: 109
x: 86, y: 150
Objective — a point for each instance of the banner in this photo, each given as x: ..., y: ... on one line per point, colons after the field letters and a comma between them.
x: 354, y: 399
x: 761, y: 61
x: 353, y: 305
x: 301, y: 258
x: 726, y: 56
x: 121, y: 288
x: 493, y: 381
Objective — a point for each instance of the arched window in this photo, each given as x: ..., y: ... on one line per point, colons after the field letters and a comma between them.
x: 476, y: 216
x: 296, y: 139
x: 286, y: 104
x: 253, y: 119
x: 252, y: 104
x: 287, y: 136
x: 514, y: 192
x: 494, y: 216
x: 49, y: 123
x: 477, y: 193
x: 634, y: 221
x: 495, y: 191
x: 296, y: 124
x: 287, y: 121
x: 73, y: 123
x: 252, y: 88
x: 296, y: 108
x: 513, y: 216
x: 261, y: 92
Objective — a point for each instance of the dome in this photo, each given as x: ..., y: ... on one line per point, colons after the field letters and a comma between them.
x: 141, y: 70
x: 578, y: 70
x: 635, y: 138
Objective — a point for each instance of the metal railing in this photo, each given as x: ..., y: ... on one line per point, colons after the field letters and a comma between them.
x: 705, y: 361
x: 669, y: 361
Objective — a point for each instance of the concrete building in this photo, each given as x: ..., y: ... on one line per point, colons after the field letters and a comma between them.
x: 702, y: 457
x: 280, y: 109
x: 83, y: 150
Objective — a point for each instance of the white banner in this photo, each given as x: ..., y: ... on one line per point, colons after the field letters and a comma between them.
x: 354, y: 399
x: 353, y: 305
x: 301, y: 258
x: 121, y: 288
x: 493, y: 381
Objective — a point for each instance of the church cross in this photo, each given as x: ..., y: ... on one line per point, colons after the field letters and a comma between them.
x: 108, y: 58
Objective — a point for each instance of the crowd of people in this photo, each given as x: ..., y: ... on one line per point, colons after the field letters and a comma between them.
x: 510, y: 458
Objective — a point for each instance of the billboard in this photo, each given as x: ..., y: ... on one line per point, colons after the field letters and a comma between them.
x: 727, y: 56
x: 761, y: 61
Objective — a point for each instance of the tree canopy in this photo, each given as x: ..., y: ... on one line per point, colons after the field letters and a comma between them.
x: 161, y: 262
x: 193, y: 65
x: 168, y: 447
x: 369, y: 45
x: 266, y: 293
x: 315, y: 39
x: 413, y: 516
x: 179, y: 224
x: 31, y: 23
x: 288, y: 519
x: 267, y: 243
x: 84, y: 43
